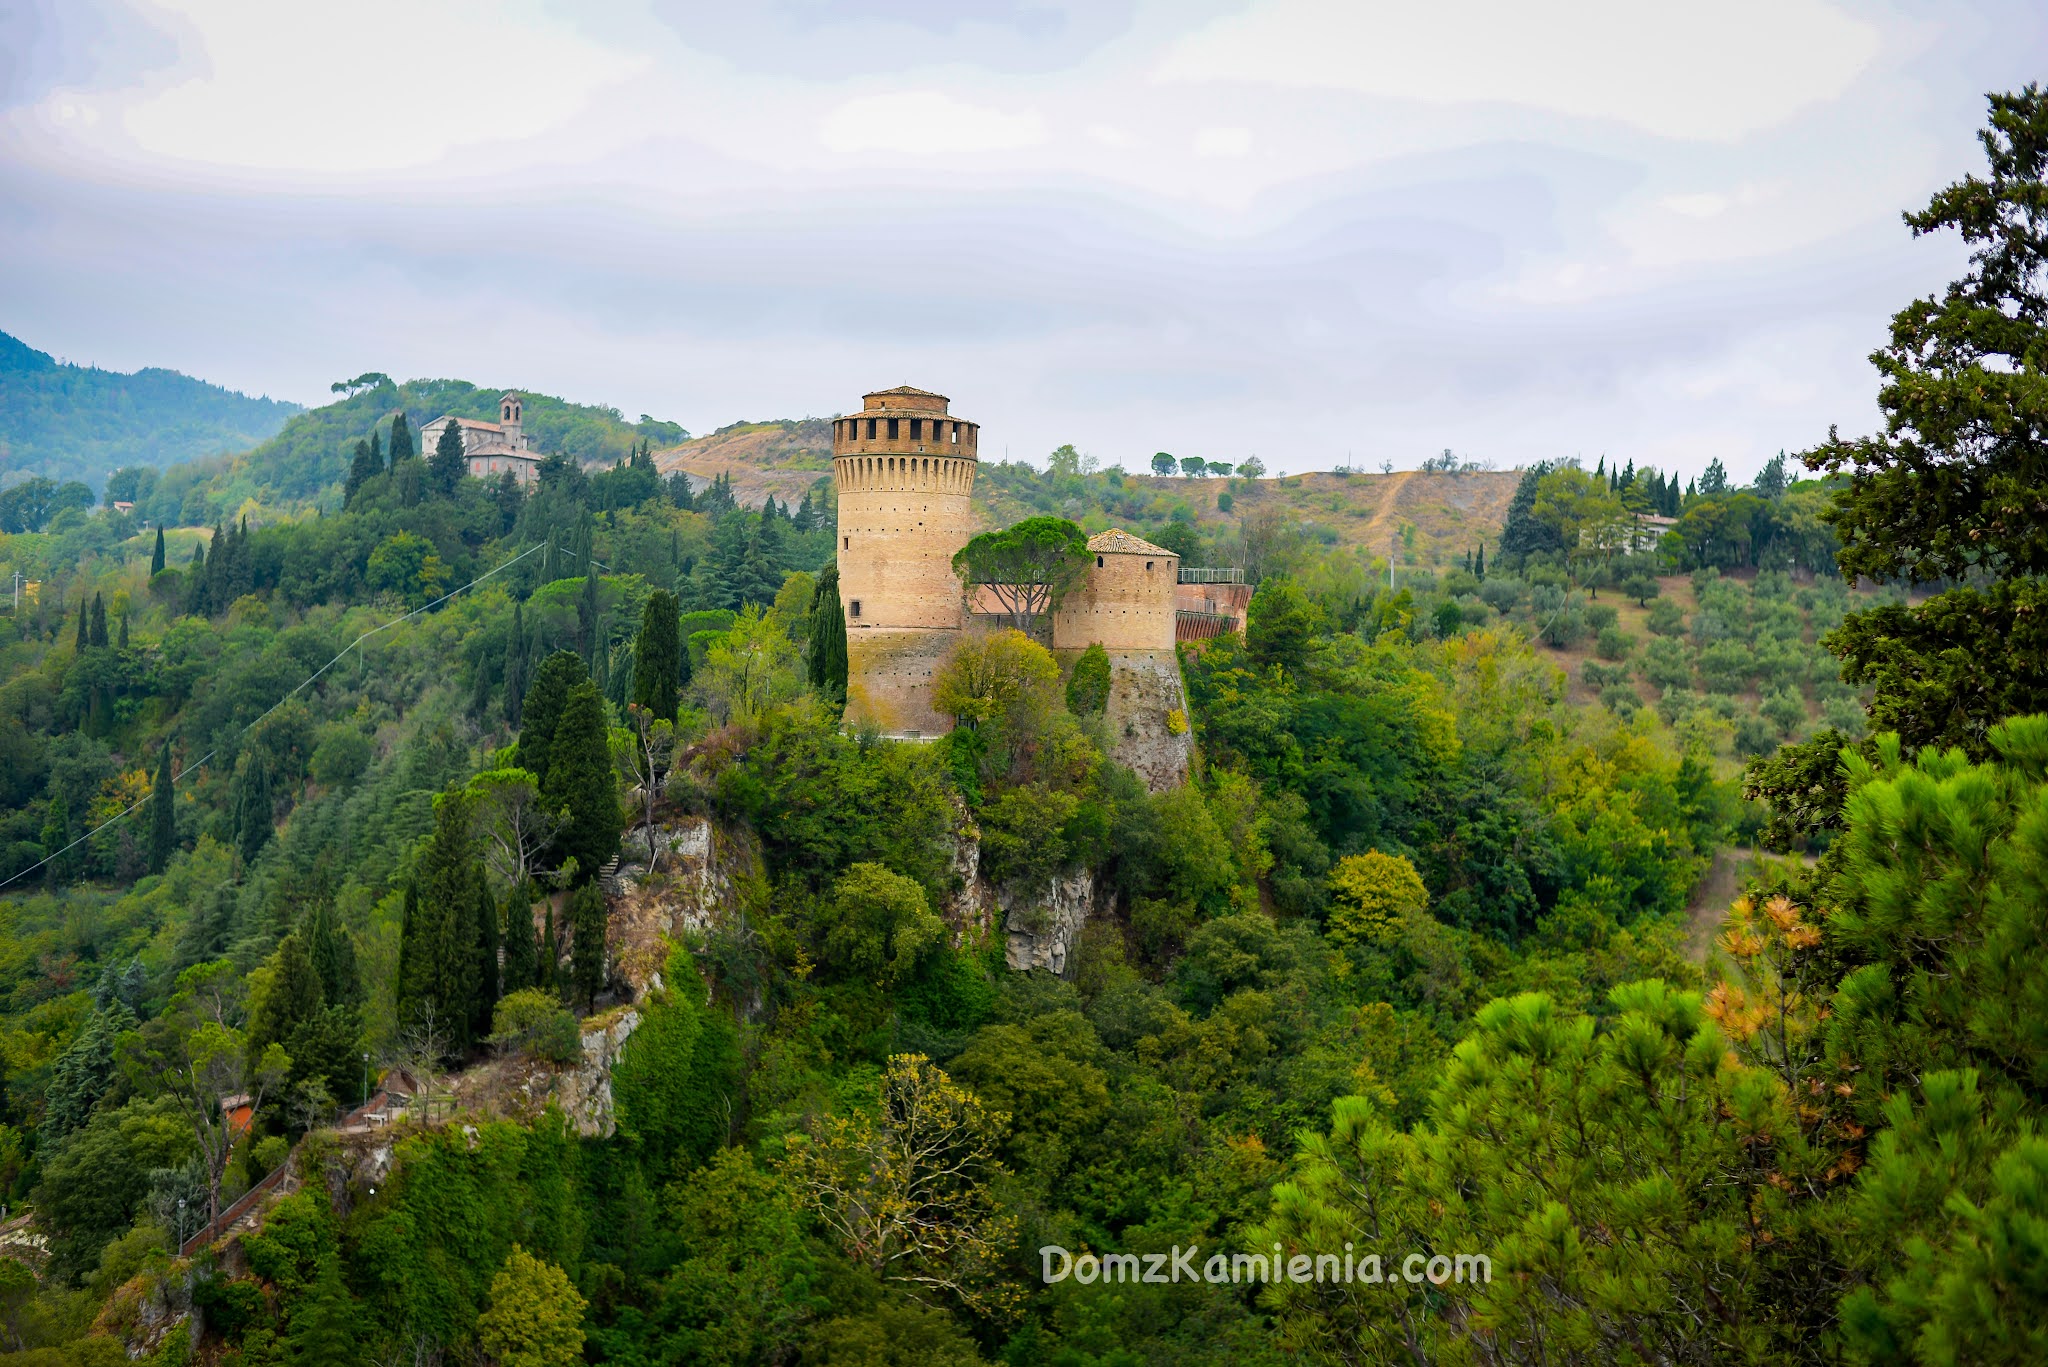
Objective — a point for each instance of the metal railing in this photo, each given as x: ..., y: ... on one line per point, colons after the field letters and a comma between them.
x: 1199, y: 575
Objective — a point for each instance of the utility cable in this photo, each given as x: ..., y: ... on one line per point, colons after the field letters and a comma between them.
x: 125, y: 812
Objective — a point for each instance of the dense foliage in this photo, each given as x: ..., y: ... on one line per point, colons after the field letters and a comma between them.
x: 1390, y: 1024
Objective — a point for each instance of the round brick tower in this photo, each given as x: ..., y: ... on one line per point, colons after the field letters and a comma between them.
x: 905, y: 470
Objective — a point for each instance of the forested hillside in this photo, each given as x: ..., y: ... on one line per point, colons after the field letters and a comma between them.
x: 305, y: 465
x: 67, y: 422
x: 1378, y: 1041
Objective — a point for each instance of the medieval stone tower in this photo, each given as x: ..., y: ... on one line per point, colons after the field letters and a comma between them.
x: 905, y: 469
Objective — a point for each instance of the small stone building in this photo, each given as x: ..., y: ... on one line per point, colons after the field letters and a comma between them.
x: 494, y: 449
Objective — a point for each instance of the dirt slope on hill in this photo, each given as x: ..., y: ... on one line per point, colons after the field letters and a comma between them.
x: 761, y: 458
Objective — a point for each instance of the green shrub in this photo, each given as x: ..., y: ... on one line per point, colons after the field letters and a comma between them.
x: 341, y: 755
x: 1601, y: 616
x: 1501, y: 593
x: 1726, y: 666
x: 1667, y: 664
x: 1666, y: 618
x: 1614, y: 643
x: 1620, y: 698
x: 1754, y: 735
x: 532, y: 1022
x: 1088, y: 685
x: 1784, y: 709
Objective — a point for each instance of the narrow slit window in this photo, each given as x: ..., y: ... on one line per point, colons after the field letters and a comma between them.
x: 853, y: 608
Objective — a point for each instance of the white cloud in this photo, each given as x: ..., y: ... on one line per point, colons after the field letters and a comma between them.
x: 1223, y: 142
x: 1714, y: 71
x: 382, y: 85
x: 926, y: 123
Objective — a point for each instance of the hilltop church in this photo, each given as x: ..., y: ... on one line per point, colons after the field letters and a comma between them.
x: 905, y: 469
x: 494, y: 449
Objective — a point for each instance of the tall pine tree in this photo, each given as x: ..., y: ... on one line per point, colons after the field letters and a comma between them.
x: 163, y: 817
x: 489, y: 986
x: 542, y: 709
x: 401, y: 441
x: 827, y: 656
x: 156, y: 557
x: 657, y: 657
x: 437, y: 962
x: 521, y: 964
x: 587, y: 919
x: 99, y: 621
x: 515, y: 666
x: 580, y: 780
x: 450, y: 462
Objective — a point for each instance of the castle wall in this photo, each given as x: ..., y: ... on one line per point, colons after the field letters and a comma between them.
x: 889, y: 680
x: 1147, y: 716
x: 1126, y: 603
x: 901, y: 521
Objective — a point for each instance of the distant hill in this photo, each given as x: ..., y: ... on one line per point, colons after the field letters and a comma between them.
x: 783, y: 458
x: 1450, y: 513
x: 79, y: 422
x: 304, y: 464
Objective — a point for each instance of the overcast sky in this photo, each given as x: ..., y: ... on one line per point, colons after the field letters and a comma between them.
x: 1315, y: 230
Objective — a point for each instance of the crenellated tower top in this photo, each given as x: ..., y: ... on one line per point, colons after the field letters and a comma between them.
x: 904, y: 422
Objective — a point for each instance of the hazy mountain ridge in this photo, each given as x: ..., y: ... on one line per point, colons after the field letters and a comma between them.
x: 69, y: 421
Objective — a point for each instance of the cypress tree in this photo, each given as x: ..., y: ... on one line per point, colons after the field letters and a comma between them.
x: 163, y: 817
x: 218, y: 551
x: 195, y: 582
x: 542, y: 709
x: 333, y: 955
x: 587, y: 916
x: 401, y: 440
x: 242, y: 567
x: 156, y: 557
x: 450, y: 462
x: 99, y: 620
x: 1479, y: 562
x: 827, y: 663
x: 84, y: 631
x: 515, y: 666
x: 253, y: 814
x: 657, y: 656
x: 291, y: 997
x: 488, y: 986
x: 123, y: 642
x: 442, y: 967
x: 522, y: 965
x: 545, y: 974
x: 587, y: 613
x: 361, y: 467
x: 580, y: 779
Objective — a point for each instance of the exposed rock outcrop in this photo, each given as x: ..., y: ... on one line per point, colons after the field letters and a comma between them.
x: 584, y: 1091
x: 1147, y: 717
x: 698, y: 874
x: 1043, y: 928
